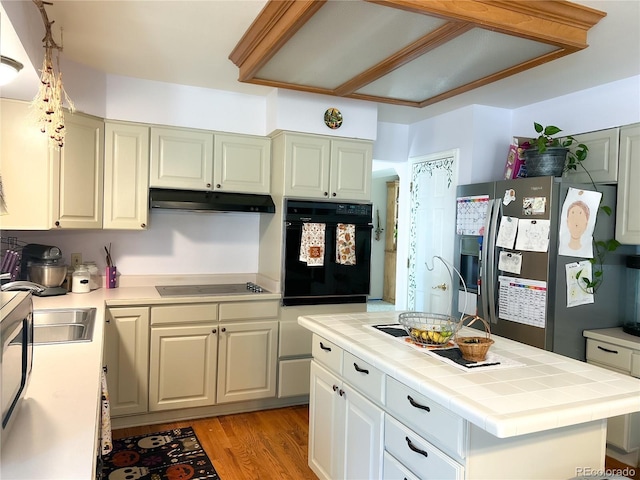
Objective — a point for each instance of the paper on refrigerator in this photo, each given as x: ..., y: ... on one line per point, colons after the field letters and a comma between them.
x: 533, y: 235
x: 577, y: 293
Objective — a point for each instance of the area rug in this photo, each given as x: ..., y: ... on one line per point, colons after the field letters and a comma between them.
x: 168, y: 455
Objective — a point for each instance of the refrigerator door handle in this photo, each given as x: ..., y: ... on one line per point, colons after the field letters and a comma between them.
x: 491, y: 264
x: 484, y: 274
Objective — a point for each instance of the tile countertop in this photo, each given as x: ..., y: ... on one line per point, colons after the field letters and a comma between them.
x: 54, y: 435
x: 548, y: 391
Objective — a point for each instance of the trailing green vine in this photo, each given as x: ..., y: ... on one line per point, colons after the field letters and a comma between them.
x: 576, y: 154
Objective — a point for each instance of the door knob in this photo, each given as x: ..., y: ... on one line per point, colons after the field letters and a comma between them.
x: 442, y: 286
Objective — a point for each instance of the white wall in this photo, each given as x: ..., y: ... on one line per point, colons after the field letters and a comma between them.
x: 176, y: 243
x: 145, y: 101
x: 605, y: 106
x: 304, y: 112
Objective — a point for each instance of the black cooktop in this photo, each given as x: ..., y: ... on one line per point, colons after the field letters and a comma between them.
x: 209, y: 290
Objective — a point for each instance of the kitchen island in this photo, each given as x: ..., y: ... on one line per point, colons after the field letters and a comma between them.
x: 539, y: 415
x: 56, y: 431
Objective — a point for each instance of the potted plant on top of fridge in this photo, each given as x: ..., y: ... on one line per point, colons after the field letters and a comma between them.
x: 550, y: 155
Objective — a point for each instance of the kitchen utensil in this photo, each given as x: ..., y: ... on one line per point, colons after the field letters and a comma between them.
x: 47, y: 274
x: 108, y: 259
x: 475, y: 349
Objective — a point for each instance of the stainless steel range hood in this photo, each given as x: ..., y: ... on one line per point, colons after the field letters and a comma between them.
x: 197, y: 201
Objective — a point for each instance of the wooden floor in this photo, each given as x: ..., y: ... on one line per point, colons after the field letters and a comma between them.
x: 264, y: 445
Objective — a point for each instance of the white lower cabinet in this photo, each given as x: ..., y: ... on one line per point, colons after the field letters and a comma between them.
x: 392, y: 469
x: 126, y: 359
x: 182, y: 366
x: 417, y: 454
x: 207, y: 354
x: 345, y: 429
x: 247, y: 361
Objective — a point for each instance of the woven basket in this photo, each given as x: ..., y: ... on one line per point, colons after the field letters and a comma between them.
x: 474, y: 349
x: 428, y: 328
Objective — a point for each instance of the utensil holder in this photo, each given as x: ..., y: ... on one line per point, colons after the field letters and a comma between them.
x: 111, y: 277
x: 474, y: 349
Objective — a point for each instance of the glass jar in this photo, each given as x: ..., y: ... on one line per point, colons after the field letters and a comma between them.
x: 94, y: 274
x: 81, y: 279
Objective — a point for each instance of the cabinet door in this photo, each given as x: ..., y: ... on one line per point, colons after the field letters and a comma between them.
x: 306, y: 172
x: 81, y: 173
x: 126, y: 359
x: 182, y: 367
x: 126, y: 176
x: 29, y: 169
x: 627, y: 207
x: 247, y: 361
x: 602, y: 159
x: 181, y: 159
x: 326, y: 424
x: 242, y: 164
x: 363, y: 444
x: 351, y: 164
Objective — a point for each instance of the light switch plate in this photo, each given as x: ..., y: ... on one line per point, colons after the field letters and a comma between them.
x: 76, y: 259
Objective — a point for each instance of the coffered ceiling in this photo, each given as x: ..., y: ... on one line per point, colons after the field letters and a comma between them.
x: 385, y: 52
x: 405, y: 52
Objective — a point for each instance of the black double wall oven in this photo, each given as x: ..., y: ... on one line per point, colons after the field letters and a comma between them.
x: 330, y: 282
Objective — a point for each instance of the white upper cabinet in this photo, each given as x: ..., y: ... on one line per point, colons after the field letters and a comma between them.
x: 201, y: 160
x: 322, y: 167
x: 126, y: 176
x: 30, y: 171
x: 81, y: 172
x: 45, y: 188
x: 351, y: 169
x: 628, y: 203
x: 181, y: 159
x: 602, y: 158
x: 242, y: 163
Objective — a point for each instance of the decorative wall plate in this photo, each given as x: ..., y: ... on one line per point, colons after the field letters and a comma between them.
x: 333, y: 118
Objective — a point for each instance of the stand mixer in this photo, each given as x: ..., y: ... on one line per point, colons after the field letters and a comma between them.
x: 42, y: 271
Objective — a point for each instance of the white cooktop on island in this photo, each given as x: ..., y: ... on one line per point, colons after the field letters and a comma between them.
x: 548, y: 391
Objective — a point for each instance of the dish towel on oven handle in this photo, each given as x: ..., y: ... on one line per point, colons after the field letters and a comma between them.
x: 346, y: 244
x: 312, y: 244
x: 106, y: 444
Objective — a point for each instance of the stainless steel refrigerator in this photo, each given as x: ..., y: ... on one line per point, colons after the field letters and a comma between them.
x: 523, y: 293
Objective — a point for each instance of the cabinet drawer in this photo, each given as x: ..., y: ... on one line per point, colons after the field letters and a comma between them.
x: 193, y: 313
x: 609, y: 355
x: 426, y: 417
x: 248, y: 310
x: 327, y: 353
x: 293, y: 377
x: 417, y: 454
x: 364, y: 377
x: 394, y: 470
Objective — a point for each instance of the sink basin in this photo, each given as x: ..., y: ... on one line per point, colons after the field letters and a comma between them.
x: 65, y: 325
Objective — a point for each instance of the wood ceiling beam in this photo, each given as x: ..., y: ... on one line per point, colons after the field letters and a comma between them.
x: 557, y: 22
x: 273, y: 27
x: 428, y: 42
x: 469, y: 86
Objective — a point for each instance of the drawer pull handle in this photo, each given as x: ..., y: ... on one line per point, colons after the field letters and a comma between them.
x: 326, y: 349
x: 607, y: 350
x: 335, y: 388
x: 341, y: 392
x: 414, y: 448
x: 361, y: 370
x: 416, y: 404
